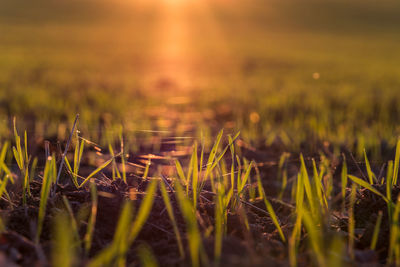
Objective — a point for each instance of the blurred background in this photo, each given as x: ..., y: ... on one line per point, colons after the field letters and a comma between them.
x: 301, y: 74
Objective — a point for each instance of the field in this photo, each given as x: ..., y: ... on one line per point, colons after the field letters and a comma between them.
x: 210, y: 133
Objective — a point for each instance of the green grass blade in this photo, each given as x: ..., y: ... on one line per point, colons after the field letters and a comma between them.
x: 344, y: 177
x: 195, y: 178
x: 307, y: 185
x: 116, y: 251
x: 123, y: 152
x: 314, y: 238
x: 218, y: 224
x: 144, y: 211
x: 33, y: 169
x: 115, y: 171
x: 224, y: 151
x: 389, y: 186
x: 396, y: 163
x: 213, y: 153
x: 146, y: 170
x: 74, y: 225
x: 245, y: 178
x: 17, y: 158
x: 92, y: 219
x: 375, y: 234
x: 3, y: 166
x: 367, y: 186
x: 371, y: 175
x: 181, y: 174
x: 351, y: 224
x: 97, y: 170
x: 270, y: 209
x: 319, y: 188
x: 63, y: 254
x: 171, y: 216
x: 232, y: 149
x: 73, y: 175
x: 26, y: 146
x: 146, y: 256
x: 193, y: 233
x: 3, y: 185
x: 394, y: 234
x: 48, y: 179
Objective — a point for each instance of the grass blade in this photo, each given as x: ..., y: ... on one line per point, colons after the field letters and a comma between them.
x: 270, y: 210
x: 48, y: 179
x: 170, y: 212
x: 193, y: 233
x: 144, y: 211
x: 375, y: 234
x: 92, y: 219
x: 97, y: 170
x: 367, y: 186
x: 64, y: 254
x: 396, y: 163
x: 146, y: 257
x: 371, y: 175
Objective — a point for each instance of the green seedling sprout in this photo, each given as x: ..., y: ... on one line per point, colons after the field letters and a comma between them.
x: 270, y: 210
x: 73, y: 223
x: 79, y: 148
x: 171, y: 216
x: 396, y: 164
x: 294, y: 238
x: 242, y: 181
x: 193, y: 232
x: 212, y: 156
x: 144, y: 211
x: 335, y: 253
x: 4, y: 170
x: 315, y: 238
x: 49, y: 178
x: 64, y: 252
x: 219, y: 222
x: 195, y: 177
x: 389, y: 187
x: 377, y: 228
x: 146, y: 170
x: 113, y: 255
x: 394, y: 246
x: 344, y: 178
x: 126, y: 232
x: 351, y: 225
x: 146, y: 256
x: 181, y: 175
x: 282, y: 173
x: 97, y: 170
x: 22, y: 159
x: 307, y: 186
x: 371, y: 175
x: 232, y: 172
x: 319, y: 188
x: 368, y: 186
x: 115, y: 171
x: 123, y: 155
x: 92, y: 219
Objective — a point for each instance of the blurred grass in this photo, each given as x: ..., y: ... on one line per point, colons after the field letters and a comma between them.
x: 103, y: 60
